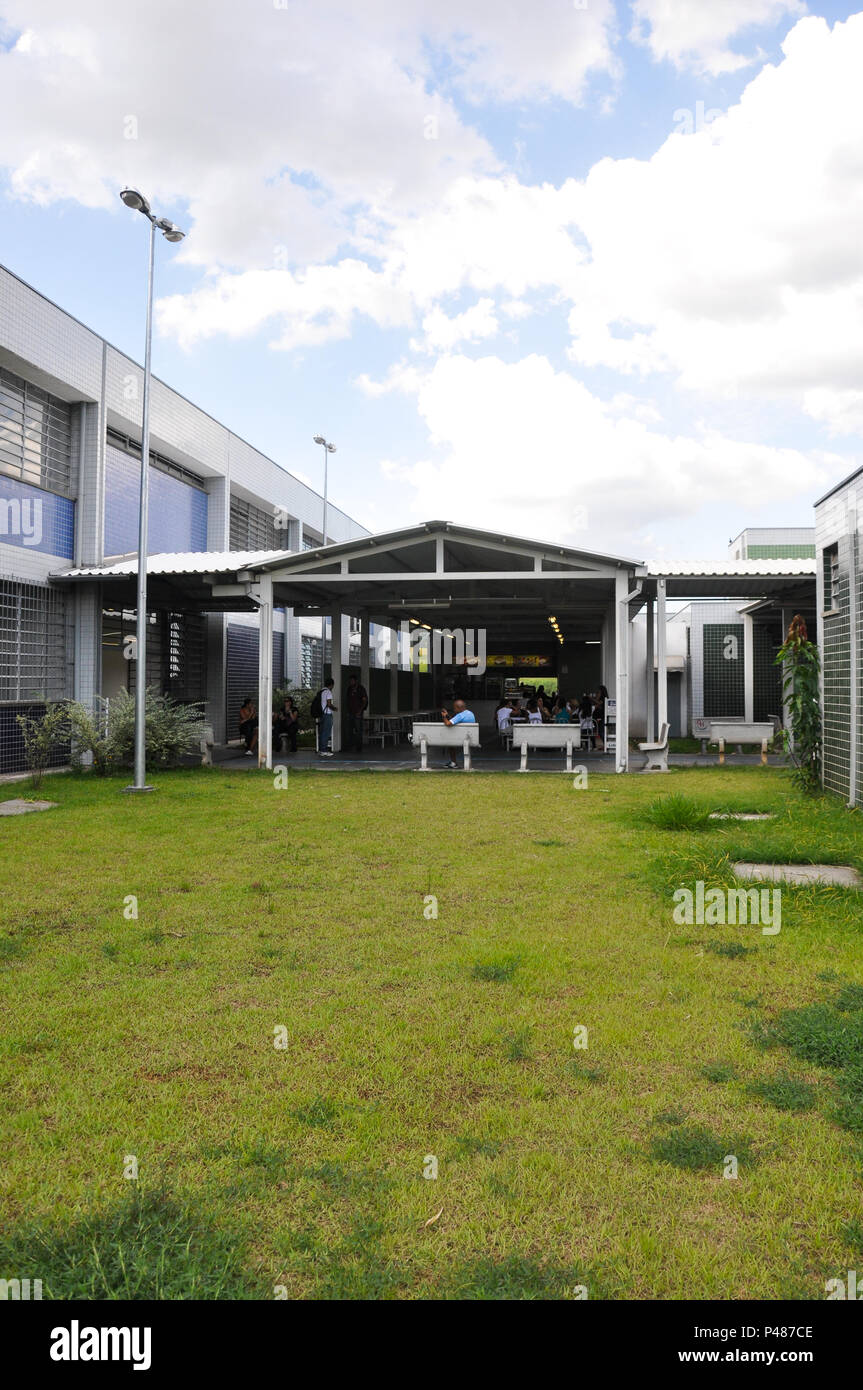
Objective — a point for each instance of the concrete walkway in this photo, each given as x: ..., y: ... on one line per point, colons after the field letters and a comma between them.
x: 490, y: 758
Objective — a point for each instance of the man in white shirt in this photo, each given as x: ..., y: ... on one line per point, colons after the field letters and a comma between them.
x: 325, y: 728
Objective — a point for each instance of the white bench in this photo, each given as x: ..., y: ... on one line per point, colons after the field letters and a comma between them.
x: 207, y: 746
x: 724, y: 731
x: 526, y: 736
x: 464, y: 736
x: 657, y: 753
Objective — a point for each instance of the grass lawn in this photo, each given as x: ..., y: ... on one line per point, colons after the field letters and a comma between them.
x: 410, y: 1039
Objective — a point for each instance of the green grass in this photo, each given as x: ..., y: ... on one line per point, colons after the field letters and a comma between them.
x: 299, y: 915
x: 678, y: 812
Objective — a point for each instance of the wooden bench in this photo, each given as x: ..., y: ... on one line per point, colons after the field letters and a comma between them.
x: 657, y: 753
x: 724, y: 731
x: 464, y: 736
x: 526, y: 736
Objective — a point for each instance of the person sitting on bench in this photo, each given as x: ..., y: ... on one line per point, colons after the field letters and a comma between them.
x: 461, y: 715
x: 249, y: 725
x: 286, y: 724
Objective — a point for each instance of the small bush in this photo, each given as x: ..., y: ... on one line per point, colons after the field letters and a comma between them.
x: 42, y: 736
x: 171, y: 729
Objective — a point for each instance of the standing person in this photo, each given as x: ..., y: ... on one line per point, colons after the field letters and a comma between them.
x: 460, y: 715
x: 248, y: 724
x: 599, y: 717
x: 325, y: 724
x: 357, y: 703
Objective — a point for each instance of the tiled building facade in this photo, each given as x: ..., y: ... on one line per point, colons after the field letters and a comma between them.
x: 840, y: 608
x: 70, y: 418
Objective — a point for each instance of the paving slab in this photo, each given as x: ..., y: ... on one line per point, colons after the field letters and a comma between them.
x: 21, y: 808
x: 842, y: 874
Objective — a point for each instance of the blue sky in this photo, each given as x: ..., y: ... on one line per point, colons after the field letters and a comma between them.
x: 566, y: 312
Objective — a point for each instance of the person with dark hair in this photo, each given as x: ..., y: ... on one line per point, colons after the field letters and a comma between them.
x: 325, y: 724
x: 599, y: 717
x: 357, y: 702
x: 249, y: 725
x: 286, y: 724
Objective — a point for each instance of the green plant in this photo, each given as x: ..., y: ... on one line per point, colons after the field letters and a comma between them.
x: 677, y: 812
x: 718, y: 1072
x: 694, y: 1147
x: 171, y: 729
x: 785, y: 1092
x: 89, y: 735
x: 42, y: 736
x: 498, y: 970
x: 801, y: 689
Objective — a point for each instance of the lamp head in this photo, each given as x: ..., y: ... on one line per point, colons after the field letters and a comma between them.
x: 319, y: 439
x: 135, y: 200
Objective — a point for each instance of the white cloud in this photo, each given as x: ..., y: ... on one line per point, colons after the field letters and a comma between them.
x: 734, y: 257
x: 443, y: 332
x: 695, y: 33
x: 524, y: 440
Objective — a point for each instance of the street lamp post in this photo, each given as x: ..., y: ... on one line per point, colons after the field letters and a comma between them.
x: 135, y: 200
x: 328, y: 449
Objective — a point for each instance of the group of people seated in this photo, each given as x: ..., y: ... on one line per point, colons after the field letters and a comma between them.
x: 286, y: 724
x: 588, y: 713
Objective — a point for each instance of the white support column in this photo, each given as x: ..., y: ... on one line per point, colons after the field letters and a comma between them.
x: 263, y: 591
x: 748, y: 668
x: 394, y: 671
x: 651, y: 684
x: 853, y: 649
x: 365, y: 656
x: 621, y: 666
x: 336, y: 659
x: 661, y: 656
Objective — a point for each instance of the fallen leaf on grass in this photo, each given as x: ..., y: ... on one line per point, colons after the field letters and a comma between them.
x: 433, y: 1219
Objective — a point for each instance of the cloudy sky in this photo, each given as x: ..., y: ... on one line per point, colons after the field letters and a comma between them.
x: 586, y: 271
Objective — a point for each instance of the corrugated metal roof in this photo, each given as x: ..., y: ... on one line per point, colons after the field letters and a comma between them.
x: 199, y: 562
x: 743, y: 569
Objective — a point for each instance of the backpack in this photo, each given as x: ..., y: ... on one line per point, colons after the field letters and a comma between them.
x: 317, y: 708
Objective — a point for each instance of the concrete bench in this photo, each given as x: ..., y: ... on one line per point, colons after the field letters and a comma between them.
x: 724, y: 731
x: 526, y: 736
x: 464, y: 736
x: 207, y: 746
x: 657, y: 753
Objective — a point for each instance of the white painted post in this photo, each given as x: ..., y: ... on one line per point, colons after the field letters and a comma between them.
x: 337, y: 648
x: 661, y: 656
x: 748, y: 669
x: 264, y: 595
x: 651, y: 683
x: 621, y: 667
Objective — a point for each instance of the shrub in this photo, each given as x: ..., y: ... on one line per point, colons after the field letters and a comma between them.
x: 801, y: 689
x: 42, y: 736
x: 171, y: 729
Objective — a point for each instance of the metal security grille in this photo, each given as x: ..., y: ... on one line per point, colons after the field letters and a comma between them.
x: 723, y: 671
x: 766, y: 676
x: 176, y: 651
x: 35, y: 663
x: 33, y: 656
x: 252, y: 528
x: 242, y: 673
x: 35, y: 436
